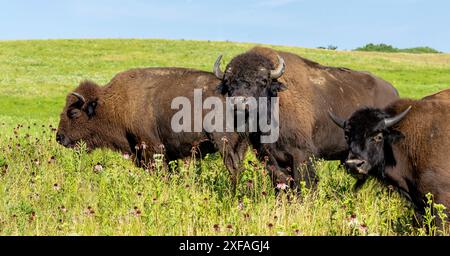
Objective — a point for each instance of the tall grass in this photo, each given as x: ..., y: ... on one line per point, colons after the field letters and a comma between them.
x: 46, y: 189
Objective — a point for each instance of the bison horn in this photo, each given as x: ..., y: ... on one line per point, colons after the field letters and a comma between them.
x: 337, y: 120
x: 388, y: 122
x: 216, y: 70
x: 79, y: 97
x: 278, y: 72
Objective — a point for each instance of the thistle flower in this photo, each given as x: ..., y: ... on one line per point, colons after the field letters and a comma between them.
x: 353, y: 220
x: 56, y: 187
x: 98, y: 167
x: 250, y: 184
x: 363, y: 229
x: 282, y: 186
x: 63, y: 209
x: 89, y: 211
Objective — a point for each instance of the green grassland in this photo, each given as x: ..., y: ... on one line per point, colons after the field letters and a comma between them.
x: 46, y: 189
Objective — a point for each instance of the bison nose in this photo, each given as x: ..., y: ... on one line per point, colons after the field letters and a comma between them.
x: 238, y: 100
x: 59, y: 138
x: 356, y: 164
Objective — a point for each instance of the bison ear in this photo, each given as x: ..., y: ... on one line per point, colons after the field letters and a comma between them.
x: 90, y: 108
x: 278, y: 87
x: 223, y: 88
x: 393, y: 136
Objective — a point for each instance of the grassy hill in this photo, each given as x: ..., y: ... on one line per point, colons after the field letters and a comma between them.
x: 47, y: 189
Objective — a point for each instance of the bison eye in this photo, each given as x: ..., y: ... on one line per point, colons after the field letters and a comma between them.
x: 73, y: 113
x: 378, y: 137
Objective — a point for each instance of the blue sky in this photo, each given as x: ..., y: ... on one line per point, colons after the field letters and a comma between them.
x: 309, y: 23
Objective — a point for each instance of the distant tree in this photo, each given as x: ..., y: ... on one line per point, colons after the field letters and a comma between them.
x: 332, y: 47
x: 389, y: 48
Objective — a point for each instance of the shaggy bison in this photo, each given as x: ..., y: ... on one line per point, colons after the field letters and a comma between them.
x: 306, y: 91
x: 133, y: 113
x: 405, y: 144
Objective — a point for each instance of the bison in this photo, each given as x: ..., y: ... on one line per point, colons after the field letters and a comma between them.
x: 404, y: 145
x: 306, y: 90
x: 133, y: 112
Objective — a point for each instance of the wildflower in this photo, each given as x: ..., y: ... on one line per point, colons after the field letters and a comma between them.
x: 139, y: 193
x: 282, y: 186
x: 264, y: 193
x: 136, y: 147
x: 89, y: 211
x: 250, y: 184
x: 98, y: 167
x: 216, y: 227
x: 56, y: 187
x: 297, y: 232
x: 144, y: 145
x: 36, y: 161
x: 137, y: 212
x: 224, y: 139
x: 246, y: 216
x: 162, y: 147
x: 240, y: 205
x: 32, y: 216
x: 363, y: 229
x: 52, y: 159
x: 353, y: 221
x: 270, y: 225
x: 63, y: 209
x: 230, y: 227
x: 126, y: 155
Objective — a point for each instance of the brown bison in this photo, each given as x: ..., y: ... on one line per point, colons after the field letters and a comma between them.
x: 306, y: 91
x: 405, y: 145
x: 133, y: 113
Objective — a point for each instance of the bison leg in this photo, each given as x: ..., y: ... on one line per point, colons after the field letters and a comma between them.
x: 278, y: 175
x: 232, y: 148
x: 304, y: 169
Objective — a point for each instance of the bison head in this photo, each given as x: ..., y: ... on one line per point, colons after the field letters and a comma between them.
x: 369, y: 135
x: 250, y: 75
x: 78, y: 119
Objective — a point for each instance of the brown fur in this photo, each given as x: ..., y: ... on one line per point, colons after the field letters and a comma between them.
x: 134, y: 108
x: 312, y: 90
x: 423, y: 164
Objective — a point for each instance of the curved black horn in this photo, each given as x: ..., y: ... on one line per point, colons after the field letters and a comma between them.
x: 337, y: 120
x: 79, y: 97
x: 278, y: 72
x: 216, y: 70
x: 388, y: 122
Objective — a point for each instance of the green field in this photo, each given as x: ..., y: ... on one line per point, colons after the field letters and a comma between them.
x: 46, y: 189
